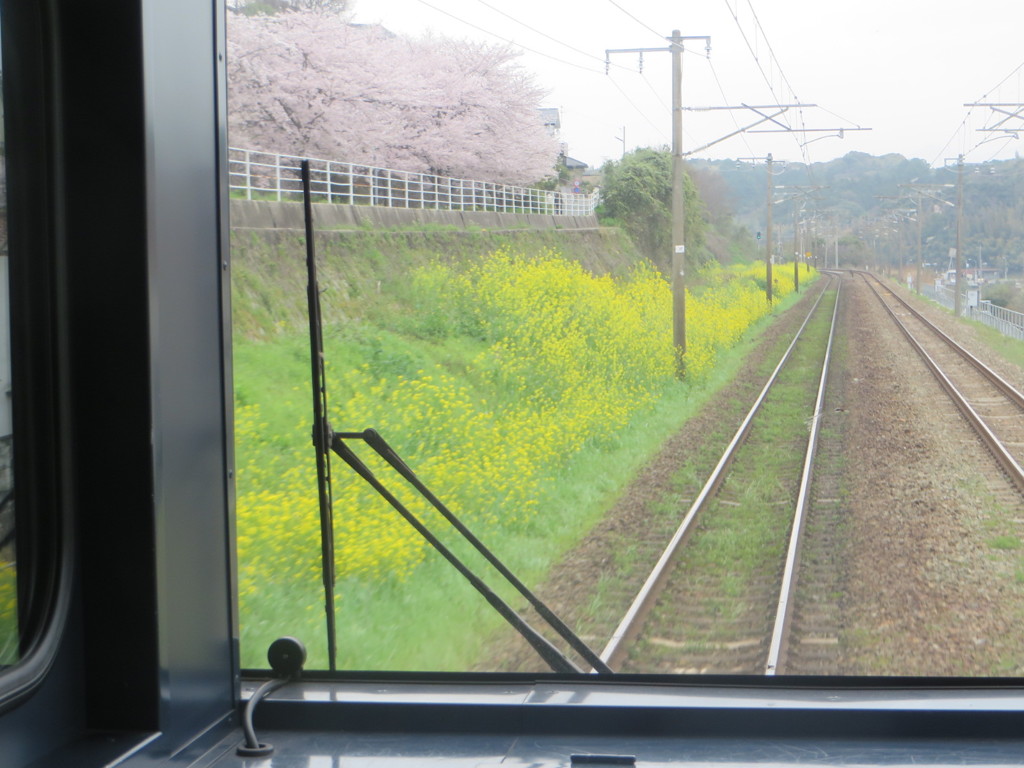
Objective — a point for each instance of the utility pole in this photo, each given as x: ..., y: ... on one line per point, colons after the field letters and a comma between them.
x: 920, y: 245
x: 796, y: 247
x: 834, y: 221
x: 678, y: 188
x: 795, y: 192
x: 922, y: 191
x: 769, y: 163
x: 678, y: 201
x: 768, y: 233
x: 959, y: 231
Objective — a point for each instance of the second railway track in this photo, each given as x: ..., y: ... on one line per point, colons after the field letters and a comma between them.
x: 993, y: 407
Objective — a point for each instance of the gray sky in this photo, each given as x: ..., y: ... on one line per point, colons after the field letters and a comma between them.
x: 904, y: 68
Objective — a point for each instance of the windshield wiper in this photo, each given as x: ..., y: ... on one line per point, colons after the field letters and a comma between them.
x: 326, y: 440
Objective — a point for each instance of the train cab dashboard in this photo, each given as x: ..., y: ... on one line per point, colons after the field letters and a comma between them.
x: 124, y: 650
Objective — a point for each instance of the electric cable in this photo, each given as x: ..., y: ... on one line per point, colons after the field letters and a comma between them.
x: 545, y: 34
x: 253, y: 747
x: 507, y: 40
x: 639, y: 111
x: 657, y: 95
x: 286, y: 656
x: 634, y: 18
x: 773, y: 60
x: 725, y: 99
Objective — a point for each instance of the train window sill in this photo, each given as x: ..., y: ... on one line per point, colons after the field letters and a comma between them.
x: 625, y: 709
x: 544, y: 724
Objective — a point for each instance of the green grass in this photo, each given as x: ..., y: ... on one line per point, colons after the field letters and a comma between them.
x: 1005, y: 542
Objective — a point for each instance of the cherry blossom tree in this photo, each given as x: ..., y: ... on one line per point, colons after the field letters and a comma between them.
x: 309, y: 83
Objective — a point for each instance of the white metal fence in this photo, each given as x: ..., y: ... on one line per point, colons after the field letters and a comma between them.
x: 267, y: 176
x: 1006, y: 321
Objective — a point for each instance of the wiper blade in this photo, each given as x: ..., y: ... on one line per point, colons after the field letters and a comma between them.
x: 321, y: 429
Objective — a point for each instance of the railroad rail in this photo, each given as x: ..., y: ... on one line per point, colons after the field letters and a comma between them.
x: 629, y: 629
x: 990, y: 404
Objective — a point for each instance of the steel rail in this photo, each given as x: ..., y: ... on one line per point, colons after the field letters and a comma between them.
x: 615, y: 650
x: 1009, y: 464
x: 998, y: 381
x: 784, y: 612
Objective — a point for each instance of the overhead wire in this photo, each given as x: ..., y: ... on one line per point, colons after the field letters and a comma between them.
x: 961, y: 129
x: 657, y: 95
x: 545, y: 34
x: 759, y: 33
x: 643, y: 114
x: 477, y: 27
x: 732, y: 113
x: 507, y: 40
x: 638, y: 21
x: 984, y: 96
x: 998, y: 149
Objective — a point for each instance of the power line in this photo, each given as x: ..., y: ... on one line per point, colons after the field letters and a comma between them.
x: 507, y: 40
x: 657, y: 95
x: 544, y: 34
x: 725, y: 100
x: 771, y: 51
x: 996, y: 86
x: 772, y: 58
x: 961, y: 129
x: 639, y: 111
x: 998, y: 149
x: 634, y: 18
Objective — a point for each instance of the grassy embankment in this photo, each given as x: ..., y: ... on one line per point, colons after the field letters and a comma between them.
x: 525, y: 391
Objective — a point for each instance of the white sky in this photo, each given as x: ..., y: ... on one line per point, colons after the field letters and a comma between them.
x: 904, y: 68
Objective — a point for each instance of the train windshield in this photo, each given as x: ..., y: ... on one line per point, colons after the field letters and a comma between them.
x: 528, y: 378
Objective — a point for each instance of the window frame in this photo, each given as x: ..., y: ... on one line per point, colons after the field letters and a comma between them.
x: 44, y: 556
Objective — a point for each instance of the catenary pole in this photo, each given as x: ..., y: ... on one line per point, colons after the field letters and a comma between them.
x: 678, y: 201
x: 958, y: 286
x: 768, y: 232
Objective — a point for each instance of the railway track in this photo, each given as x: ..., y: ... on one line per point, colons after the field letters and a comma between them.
x: 908, y: 519
x: 721, y: 597
x: 993, y: 408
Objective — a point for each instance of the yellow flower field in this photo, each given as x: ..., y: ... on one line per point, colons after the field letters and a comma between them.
x: 567, y: 359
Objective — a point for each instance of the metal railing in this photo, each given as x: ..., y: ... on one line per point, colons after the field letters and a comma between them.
x: 939, y: 294
x: 1006, y: 321
x: 268, y: 176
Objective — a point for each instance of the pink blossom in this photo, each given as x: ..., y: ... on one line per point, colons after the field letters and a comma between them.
x: 309, y: 83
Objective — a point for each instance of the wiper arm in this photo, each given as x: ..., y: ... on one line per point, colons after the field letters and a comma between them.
x: 555, y: 659
x: 374, y: 439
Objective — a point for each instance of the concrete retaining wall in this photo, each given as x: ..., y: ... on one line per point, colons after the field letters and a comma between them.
x: 259, y: 214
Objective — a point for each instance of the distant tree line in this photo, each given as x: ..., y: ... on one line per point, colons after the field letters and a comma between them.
x: 862, y: 193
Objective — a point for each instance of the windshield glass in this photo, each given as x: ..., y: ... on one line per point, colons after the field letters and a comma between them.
x: 678, y: 367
